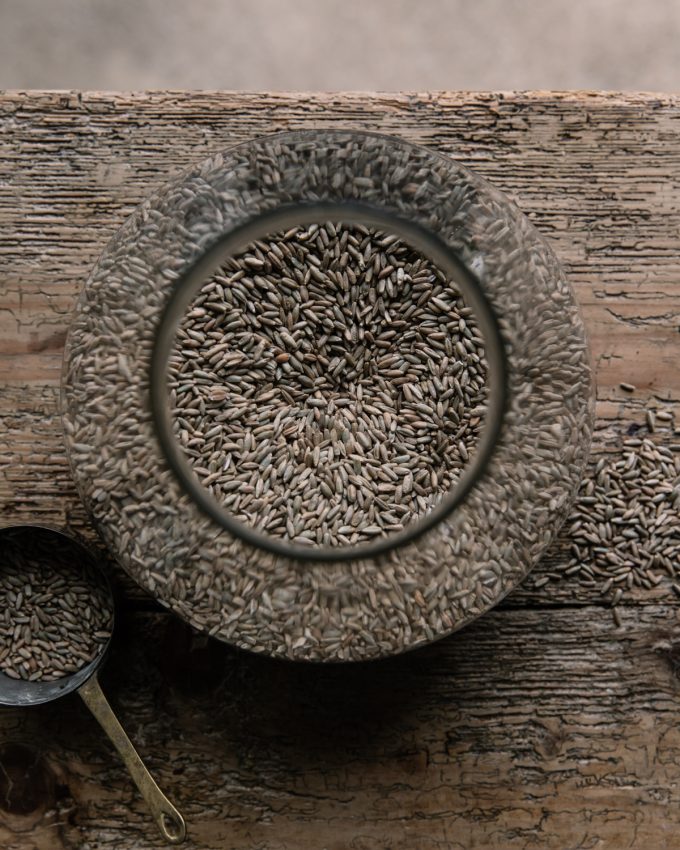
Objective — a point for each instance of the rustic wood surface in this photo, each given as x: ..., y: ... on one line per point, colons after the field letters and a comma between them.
x: 541, y: 725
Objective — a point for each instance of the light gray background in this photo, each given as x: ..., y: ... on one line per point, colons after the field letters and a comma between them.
x: 340, y: 44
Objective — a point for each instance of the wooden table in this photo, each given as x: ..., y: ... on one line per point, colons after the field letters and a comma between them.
x: 540, y: 726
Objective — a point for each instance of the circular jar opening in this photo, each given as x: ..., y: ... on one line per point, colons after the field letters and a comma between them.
x: 328, y: 382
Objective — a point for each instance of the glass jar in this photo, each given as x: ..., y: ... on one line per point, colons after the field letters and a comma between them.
x: 370, y: 320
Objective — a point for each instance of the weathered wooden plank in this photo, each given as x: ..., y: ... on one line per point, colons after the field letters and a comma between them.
x: 539, y: 726
x: 525, y: 730
x: 598, y: 174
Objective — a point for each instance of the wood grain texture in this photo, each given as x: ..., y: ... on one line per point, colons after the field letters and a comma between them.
x: 540, y: 726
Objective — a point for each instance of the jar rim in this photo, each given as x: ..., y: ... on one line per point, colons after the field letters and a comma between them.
x: 283, y: 217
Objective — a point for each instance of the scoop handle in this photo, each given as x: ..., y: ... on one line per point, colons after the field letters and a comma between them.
x: 169, y: 820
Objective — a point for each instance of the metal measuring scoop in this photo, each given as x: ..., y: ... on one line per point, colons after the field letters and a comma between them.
x: 19, y: 692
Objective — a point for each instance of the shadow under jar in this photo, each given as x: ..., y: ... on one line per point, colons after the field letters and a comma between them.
x: 328, y: 396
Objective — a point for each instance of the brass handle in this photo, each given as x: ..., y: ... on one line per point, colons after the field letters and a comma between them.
x: 169, y: 820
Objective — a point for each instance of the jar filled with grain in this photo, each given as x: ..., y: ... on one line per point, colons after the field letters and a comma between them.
x: 328, y: 395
